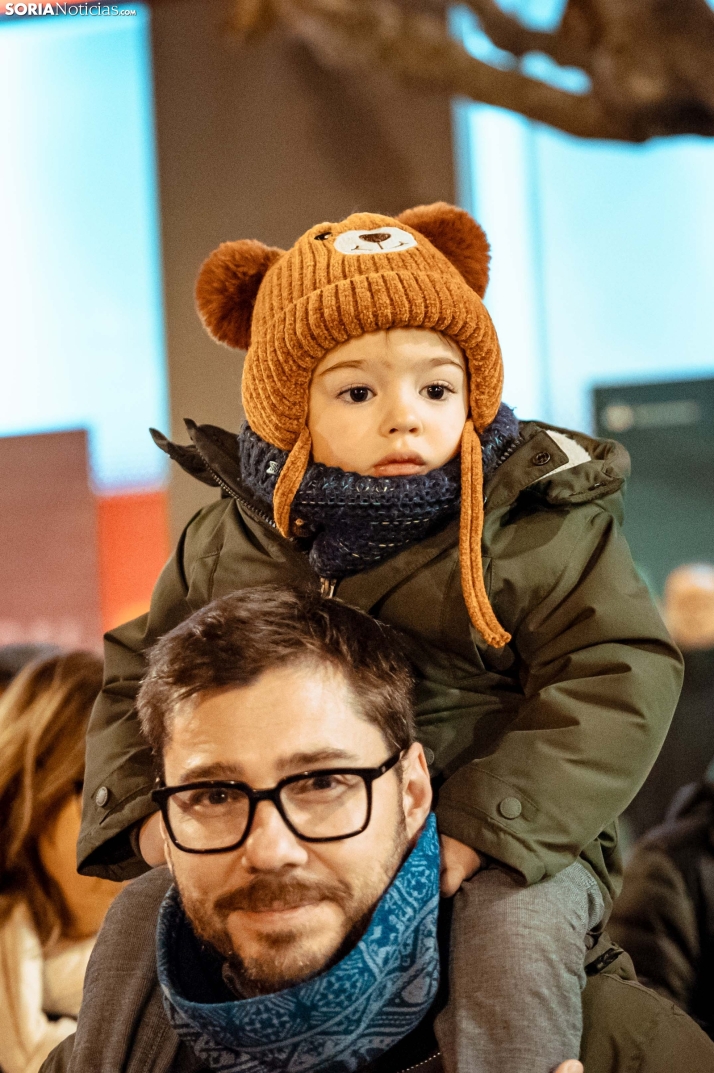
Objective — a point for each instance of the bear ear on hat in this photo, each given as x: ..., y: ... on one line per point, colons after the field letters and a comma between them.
x: 457, y: 236
x: 227, y: 287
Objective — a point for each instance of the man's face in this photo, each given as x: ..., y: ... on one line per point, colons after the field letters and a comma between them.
x: 280, y: 909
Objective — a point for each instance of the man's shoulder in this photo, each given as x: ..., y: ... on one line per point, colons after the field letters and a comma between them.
x: 628, y: 1026
x: 126, y: 943
x: 141, y: 899
x: 122, y: 1024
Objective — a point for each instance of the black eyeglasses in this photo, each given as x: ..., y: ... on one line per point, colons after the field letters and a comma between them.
x: 215, y: 816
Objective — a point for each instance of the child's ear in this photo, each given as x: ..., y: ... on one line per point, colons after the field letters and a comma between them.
x: 227, y: 287
x: 457, y: 236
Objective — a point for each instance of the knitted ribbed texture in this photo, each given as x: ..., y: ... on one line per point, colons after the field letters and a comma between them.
x: 318, y: 295
x: 314, y: 298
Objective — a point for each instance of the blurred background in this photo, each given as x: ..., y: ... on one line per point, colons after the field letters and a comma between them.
x: 135, y: 139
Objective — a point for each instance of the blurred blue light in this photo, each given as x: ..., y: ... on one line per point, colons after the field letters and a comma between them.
x: 535, y: 14
x: 465, y: 26
x: 81, y: 324
x: 544, y: 69
x: 603, y: 259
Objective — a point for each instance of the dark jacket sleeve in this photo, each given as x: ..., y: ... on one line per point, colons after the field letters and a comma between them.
x: 655, y: 920
x: 600, y: 680
x: 119, y: 774
x: 630, y: 1029
x: 58, y: 1060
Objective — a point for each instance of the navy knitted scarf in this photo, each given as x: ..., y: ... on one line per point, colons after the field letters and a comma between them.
x: 355, y: 522
x: 338, y: 1021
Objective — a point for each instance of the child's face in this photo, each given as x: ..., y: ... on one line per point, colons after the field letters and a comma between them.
x: 389, y: 404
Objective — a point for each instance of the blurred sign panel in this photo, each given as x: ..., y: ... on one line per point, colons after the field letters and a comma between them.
x: 133, y: 547
x: 49, y: 570
x: 73, y: 563
x: 668, y: 428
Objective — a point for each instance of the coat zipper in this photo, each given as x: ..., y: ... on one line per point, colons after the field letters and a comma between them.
x: 327, y: 585
x: 234, y: 495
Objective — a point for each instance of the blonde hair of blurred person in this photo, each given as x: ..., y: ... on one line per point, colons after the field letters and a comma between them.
x: 689, y: 606
x: 49, y: 915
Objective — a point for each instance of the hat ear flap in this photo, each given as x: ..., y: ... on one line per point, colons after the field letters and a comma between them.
x: 227, y: 287
x: 457, y: 236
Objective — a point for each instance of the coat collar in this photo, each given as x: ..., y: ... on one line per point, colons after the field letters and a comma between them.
x: 534, y: 463
x: 213, y: 458
x: 531, y: 469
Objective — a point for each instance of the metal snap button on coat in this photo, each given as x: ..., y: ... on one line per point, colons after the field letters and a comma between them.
x: 101, y: 797
x: 510, y: 807
x: 541, y: 459
x: 428, y: 755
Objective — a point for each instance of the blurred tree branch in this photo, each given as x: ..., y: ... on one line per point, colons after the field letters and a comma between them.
x: 650, y: 62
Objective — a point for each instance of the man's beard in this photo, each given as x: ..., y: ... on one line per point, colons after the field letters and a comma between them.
x: 278, y: 967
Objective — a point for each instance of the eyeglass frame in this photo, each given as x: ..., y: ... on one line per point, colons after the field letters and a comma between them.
x: 161, y: 795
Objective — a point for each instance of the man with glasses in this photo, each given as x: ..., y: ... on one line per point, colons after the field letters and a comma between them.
x: 298, y: 926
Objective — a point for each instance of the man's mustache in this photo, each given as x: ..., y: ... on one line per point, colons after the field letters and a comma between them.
x: 276, y: 893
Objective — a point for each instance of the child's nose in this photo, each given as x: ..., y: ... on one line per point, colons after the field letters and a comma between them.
x: 402, y: 417
x: 404, y: 426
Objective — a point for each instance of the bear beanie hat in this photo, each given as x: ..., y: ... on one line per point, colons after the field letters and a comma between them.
x: 426, y: 268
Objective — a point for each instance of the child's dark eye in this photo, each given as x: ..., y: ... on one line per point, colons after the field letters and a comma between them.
x: 357, y: 394
x: 436, y: 392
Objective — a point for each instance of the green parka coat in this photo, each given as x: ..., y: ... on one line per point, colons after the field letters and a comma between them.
x: 534, y: 748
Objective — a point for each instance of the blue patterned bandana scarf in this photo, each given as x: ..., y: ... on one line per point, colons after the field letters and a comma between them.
x: 340, y: 1020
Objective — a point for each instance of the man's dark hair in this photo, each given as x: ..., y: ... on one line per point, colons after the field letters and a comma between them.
x: 233, y: 640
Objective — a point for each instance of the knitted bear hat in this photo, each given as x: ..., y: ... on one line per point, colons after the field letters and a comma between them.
x: 426, y: 268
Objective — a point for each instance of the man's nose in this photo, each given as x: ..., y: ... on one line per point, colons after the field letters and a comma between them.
x: 271, y: 845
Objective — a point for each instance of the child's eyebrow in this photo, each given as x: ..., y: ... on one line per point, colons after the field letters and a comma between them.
x: 354, y: 363
x: 359, y: 363
x: 444, y: 361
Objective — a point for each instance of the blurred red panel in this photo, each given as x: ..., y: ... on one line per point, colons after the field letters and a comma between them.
x: 133, y: 547
x: 48, y: 541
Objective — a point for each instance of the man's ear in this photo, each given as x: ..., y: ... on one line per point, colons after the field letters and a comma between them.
x: 416, y: 789
x: 227, y: 287
x: 457, y: 236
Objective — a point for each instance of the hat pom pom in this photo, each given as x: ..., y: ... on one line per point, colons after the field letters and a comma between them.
x: 457, y: 236
x: 227, y: 287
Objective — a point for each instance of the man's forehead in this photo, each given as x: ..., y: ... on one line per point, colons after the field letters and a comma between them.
x: 290, y: 719
x: 239, y: 770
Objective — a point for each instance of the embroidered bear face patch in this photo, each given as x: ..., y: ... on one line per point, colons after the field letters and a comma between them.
x: 380, y: 240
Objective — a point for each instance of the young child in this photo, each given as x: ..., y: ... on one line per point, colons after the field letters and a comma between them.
x: 379, y: 463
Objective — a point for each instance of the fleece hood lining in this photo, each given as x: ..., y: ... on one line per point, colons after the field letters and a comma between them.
x: 575, y: 452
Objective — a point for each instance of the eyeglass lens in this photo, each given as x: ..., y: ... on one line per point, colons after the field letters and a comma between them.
x: 320, y: 806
